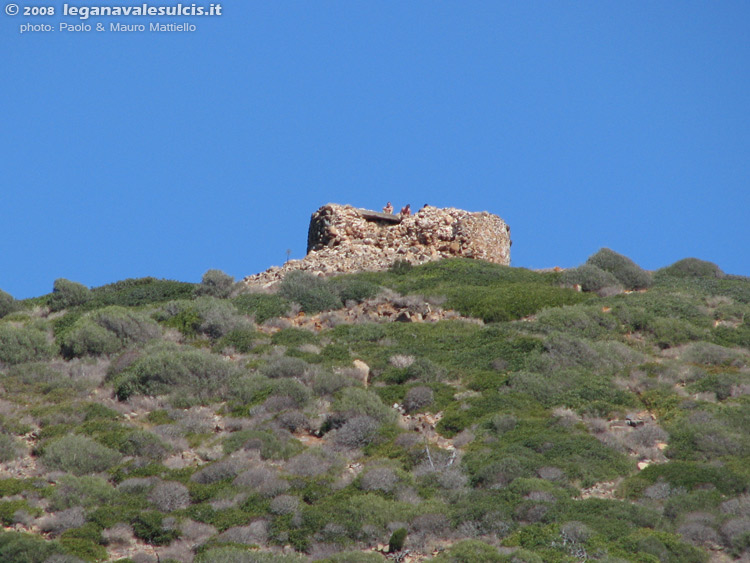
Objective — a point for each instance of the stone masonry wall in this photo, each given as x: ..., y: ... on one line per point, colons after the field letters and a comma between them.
x: 343, y: 238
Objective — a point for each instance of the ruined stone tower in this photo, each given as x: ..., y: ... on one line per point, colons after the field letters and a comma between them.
x: 342, y: 238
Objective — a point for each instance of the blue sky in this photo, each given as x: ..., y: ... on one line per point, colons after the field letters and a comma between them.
x: 582, y: 124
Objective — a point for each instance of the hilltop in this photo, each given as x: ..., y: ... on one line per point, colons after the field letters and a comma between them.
x: 457, y: 410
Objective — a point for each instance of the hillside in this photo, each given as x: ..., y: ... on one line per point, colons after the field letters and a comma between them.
x: 455, y: 411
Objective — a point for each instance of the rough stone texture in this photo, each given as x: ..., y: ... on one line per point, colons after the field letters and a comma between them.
x: 342, y: 239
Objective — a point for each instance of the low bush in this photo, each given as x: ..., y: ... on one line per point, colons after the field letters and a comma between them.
x: 668, y: 333
x: 23, y: 344
x: 166, y: 368
x: 511, y: 301
x: 136, y: 292
x: 217, y: 317
x: 235, y: 554
x: 215, y: 283
x: 627, y: 272
x: 26, y: 548
x: 354, y: 401
x: 379, y: 479
x: 205, y: 315
x: 58, y: 522
x: 169, y: 496
x: 9, y: 510
x: 313, y: 294
x: 590, y: 278
x: 691, y: 268
x: 261, y: 480
x: 81, y: 549
x: 78, y: 455
x: 709, y: 354
x: 247, y: 391
x: 417, y: 398
x: 357, y: 432
x: 687, y: 475
x: 475, y: 551
x: 285, y: 366
x: 86, y: 491
x: 328, y: 383
x: 396, y: 543
x: 10, y: 448
x: 353, y: 557
x: 8, y: 304
x: 242, y: 340
x: 149, y: 527
x: 262, y: 306
x: 353, y: 289
x: 579, y: 320
x: 271, y: 445
x: 87, y: 338
x: 66, y: 294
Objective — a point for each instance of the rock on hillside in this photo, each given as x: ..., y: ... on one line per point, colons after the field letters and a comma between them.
x: 342, y: 239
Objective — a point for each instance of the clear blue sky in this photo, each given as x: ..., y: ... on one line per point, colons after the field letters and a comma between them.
x: 582, y: 124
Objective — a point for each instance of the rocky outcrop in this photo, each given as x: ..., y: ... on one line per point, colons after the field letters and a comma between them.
x: 342, y: 239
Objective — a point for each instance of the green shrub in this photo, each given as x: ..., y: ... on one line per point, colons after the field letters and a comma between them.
x: 579, y: 320
x: 662, y: 546
x: 628, y: 273
x: 245, y: 554
x: 66, y: 294
x: 218, y: 317
x: 205, y: 315
x: 215, y: 283
x: 475, y: 551
x: 87, y: 491
x: 285, y: 366
x: 353, y: 289
x: 79, y: 455
x: 9, y: 448
x: 8, y: 304
x: 356, y: 401
x: 270, y: 444
x: 9, y: 508
x: 396, y: 543
x: 590, y: 278
x: 129, y: 326
x: 241, y: 340
x: 87, y: 338
x: 26, y: 548
x: 313, y: 294
x: 262, y: 306
x: 400, y: 267
x: 149, y: 527
x: 136, y: 292
x: 181, y: 315
x: 249, y: 391
x: 135, y: 442
x: 82, y: 547
x: 24, y: 344
x: 709, y: 354
x: 511, y: 301
x: 166, y: 368
x: 327, y: 383
x: 294, y: 337
x: 691, y: 268
x: 11, y: 486
x: 426, y: 371
x: 353, y: 557
x: 667, y: 333
x: 687, y: 475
